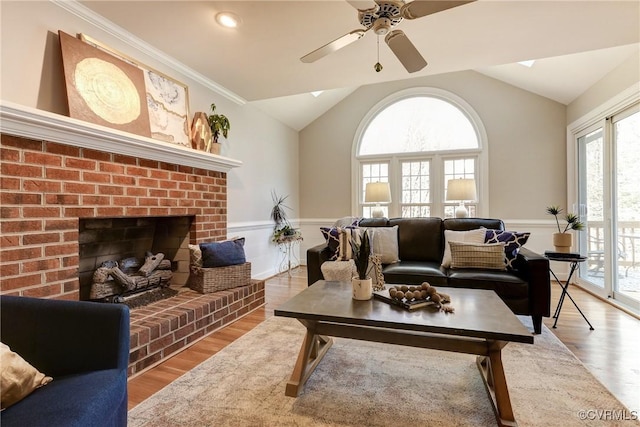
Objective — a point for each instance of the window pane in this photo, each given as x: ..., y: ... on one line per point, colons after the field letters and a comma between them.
x: 459, y: 168
x: 418, y: 124
x: 373, y: 172
x: 409, y: 211
x: 416, y: 191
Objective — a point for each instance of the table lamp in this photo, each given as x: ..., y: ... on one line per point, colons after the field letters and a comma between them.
x: 461, y: 189
x: 377, y: 192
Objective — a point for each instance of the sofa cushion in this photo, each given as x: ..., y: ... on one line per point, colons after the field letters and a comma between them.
x: 512, y: 240
x: 92, y: 398
x: 414, y: 273
x: 18, y: 378
x: 477, y: 255
x: 463, y: 224
x: 506, y: 285
x: 384, y: 242
x: 470, y: 236
x: 419, y: 239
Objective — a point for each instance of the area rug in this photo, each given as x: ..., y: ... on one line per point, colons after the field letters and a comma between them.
x: 370, y: 384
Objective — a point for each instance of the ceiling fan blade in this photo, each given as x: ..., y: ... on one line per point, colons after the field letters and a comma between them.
x: 333, y: 46
x: 420, y: 8
x: 362, y: 5
x: 406, y: 52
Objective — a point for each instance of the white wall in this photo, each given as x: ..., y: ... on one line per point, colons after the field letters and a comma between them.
x: 622, y: 77
x: 526, y: 137
x: 32, y: 75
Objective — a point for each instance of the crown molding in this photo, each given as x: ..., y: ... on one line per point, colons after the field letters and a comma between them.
x: 32, y: 123
x: 100, y: 22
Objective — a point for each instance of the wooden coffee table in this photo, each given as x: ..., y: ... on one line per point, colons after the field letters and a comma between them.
x: 482, y: 324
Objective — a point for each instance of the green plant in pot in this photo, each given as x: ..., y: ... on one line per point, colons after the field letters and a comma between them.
x: 362, y: 284
x: 563, y: 240
x: 282, y: 230
x: 219, y: 124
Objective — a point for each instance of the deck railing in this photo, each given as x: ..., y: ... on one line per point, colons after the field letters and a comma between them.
x: 628, y: 242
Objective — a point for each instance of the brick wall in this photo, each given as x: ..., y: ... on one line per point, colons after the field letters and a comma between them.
x: 46, y: 187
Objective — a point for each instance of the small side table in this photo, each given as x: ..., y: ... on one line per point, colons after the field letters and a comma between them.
x: 289, y: 246
x: 573, y: 266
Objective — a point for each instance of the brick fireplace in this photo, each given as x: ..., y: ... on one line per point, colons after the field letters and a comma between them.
x: 46, y: 190
x: 47, y: 187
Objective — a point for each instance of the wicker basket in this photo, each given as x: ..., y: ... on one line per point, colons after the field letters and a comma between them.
x: 207, y: 280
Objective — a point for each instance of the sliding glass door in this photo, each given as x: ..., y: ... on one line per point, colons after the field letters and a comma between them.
x: 609, y: 204
x: 592, y: 173
x: 626, y: 142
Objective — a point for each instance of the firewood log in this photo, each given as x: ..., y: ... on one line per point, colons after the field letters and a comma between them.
x: 101, y: 275
x: 122, y: 279
x: 159, y: 278
x: 151, y: 261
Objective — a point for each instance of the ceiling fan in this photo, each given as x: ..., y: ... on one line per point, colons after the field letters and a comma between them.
x: 382, y: 18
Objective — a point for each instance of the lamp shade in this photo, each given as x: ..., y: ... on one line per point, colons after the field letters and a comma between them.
x: 461, y: 189
x: 377, y: 192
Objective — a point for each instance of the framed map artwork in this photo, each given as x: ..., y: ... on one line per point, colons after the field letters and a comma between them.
x: 103, y: 89
x: 167, y: 99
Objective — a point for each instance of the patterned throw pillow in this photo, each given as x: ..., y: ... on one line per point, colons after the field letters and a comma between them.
x: 512, y: 240
x: 195, y: 255
x: 332, y: 236
x: 477, y: 255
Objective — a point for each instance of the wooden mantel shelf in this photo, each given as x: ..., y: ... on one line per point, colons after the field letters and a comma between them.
x: 28, y: 122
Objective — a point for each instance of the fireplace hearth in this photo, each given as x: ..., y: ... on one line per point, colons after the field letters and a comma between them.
x: 60, y: 202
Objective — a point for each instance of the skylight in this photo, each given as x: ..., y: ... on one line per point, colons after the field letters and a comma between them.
x: 528, y: 63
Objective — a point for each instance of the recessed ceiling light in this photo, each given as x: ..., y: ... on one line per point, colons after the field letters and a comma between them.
x: 317, y: 93
x: 228, y: 19
x: 527, y: 63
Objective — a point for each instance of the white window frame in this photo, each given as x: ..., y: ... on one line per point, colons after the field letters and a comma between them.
x: 436, y: 157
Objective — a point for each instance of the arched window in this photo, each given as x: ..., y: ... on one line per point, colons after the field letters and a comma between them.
x: 418, y: 140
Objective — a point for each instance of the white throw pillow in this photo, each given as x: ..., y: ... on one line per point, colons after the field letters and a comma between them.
x: 471, y: 236
x: 385, y: 243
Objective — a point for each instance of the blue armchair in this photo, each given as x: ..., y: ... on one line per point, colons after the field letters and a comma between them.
x: 84, y: 346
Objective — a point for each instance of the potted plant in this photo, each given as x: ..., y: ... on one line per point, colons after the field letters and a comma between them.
x: 562, y: 240
x: 282, y: 230
x: 362, y: 284
x: 219, y: 124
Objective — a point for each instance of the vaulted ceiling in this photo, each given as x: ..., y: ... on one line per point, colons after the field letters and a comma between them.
x: 574, y: 42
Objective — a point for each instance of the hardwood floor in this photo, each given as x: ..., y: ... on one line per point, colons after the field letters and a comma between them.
x: 611, y: 351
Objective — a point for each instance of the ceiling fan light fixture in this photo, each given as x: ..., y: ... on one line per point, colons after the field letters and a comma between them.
x: 228, y: 19
x: 381, y: 26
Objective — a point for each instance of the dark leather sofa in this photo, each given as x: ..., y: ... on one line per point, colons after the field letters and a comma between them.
x: 84, y: 346
x: 525, y: 290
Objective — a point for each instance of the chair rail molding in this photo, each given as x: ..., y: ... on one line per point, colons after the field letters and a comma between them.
x: 32, y: 123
